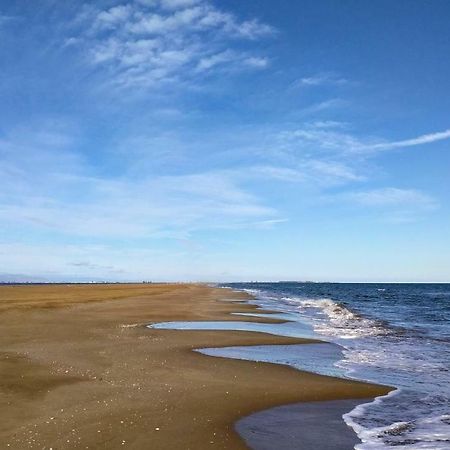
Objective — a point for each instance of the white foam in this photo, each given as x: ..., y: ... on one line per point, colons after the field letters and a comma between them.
x: 342, y: 322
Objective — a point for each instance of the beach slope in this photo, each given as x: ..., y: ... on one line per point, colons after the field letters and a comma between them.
x: 79, y: 369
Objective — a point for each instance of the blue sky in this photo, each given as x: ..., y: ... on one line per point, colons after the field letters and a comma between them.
x: 231, y: 140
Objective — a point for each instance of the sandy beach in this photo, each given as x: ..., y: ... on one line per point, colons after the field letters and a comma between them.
x: 80, y: 369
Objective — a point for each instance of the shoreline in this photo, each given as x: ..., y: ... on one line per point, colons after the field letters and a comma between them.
x: 137, y: 386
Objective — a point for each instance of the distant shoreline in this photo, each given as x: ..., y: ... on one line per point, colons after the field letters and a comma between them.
x: 58, y: 283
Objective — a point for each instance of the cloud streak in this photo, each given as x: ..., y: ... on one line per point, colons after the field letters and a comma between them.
x: 329, y: 136
x: 321, y: 79
x: 420, y: 140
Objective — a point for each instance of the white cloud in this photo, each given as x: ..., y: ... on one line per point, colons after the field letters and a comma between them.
x: 308, y: 172
x: 329, y: 136
x: 420, y: 140
x: 145, y: 43
x: 331, y: 171
x: 325, y: 139
x: 113, y: 17
x: 226, y: 57
x: 174, y: 4
x: 326, y: 105
x: 256, y: 62
x: 326, y: 153
x: 211, y: 61
x: 321, y: 79
x: 392, y: 197
x: 393, y: 205
x: 157, y: 207
x: 44, y: 185
x: 327, y: 124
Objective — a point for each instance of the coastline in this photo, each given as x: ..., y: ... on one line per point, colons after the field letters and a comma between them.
x: 134, y: 386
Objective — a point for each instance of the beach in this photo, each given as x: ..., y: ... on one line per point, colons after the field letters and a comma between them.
x: 80, y: 369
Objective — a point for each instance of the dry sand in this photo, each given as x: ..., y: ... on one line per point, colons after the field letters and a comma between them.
x: 78, y: 369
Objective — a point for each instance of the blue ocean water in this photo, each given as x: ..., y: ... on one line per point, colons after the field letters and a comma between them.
x: 394, y: 334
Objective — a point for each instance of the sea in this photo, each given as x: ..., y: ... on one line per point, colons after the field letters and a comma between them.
x: 393, y: 334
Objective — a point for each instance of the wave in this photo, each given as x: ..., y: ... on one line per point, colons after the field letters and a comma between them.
x: 424, y: 433
x: 342, y: 322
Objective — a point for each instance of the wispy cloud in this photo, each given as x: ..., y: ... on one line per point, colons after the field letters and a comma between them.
x: 5, y: 19
x: 146, y: 43
x: 89, y: 266
x: 60, y: 192
x: 330, y: 136
x: 393, y: 204
x: 237, y: 59
x: 322, y: 79
x: 331, y: 171
x: 325, y: 105
x: 307, y: 172
x: 163, y: 206
x: 326, y: 124
x: 392, y: 197
x: 420, y: 140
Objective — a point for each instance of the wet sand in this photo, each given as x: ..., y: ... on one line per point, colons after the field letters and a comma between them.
x: 79, y: 369
x: 303, y: 426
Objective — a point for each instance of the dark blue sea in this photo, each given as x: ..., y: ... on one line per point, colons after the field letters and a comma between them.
x: 393, y: 334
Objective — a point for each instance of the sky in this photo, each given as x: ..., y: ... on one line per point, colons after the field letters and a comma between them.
x: 209, y: 140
